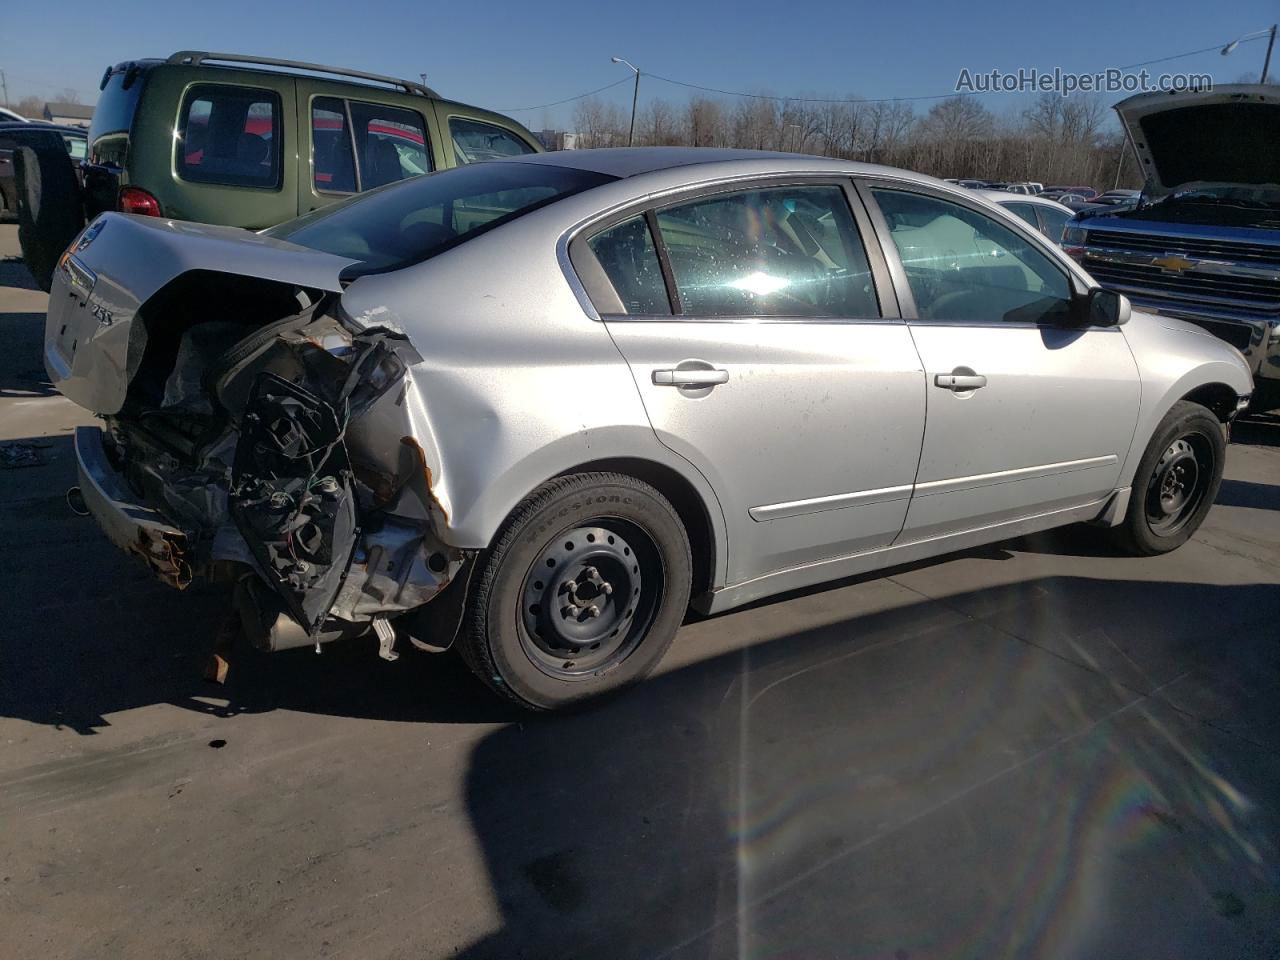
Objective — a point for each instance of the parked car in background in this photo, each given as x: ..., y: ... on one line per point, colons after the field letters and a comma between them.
x: 507, y: 403
x: 10, y: 116
x: 13, y: 135
x: 1047, y: 216
x: 252, y: 141
x: 1204, y: 246
x: 1088, y: 193
x: 1113, y: 197
x: 1072, y: 201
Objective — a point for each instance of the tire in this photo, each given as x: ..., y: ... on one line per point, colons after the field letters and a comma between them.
x: 1176, y: 482
x: 546, y: 625
x: 50, y: 211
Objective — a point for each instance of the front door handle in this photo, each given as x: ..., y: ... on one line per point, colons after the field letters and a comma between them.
x: 690, y: 378
x: 960, y: 381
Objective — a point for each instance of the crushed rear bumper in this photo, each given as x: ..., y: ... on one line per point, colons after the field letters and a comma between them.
x: 134, y: 527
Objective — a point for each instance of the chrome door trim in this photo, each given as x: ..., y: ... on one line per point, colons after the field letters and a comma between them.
x: 932, y: 487
x: 795, y: 508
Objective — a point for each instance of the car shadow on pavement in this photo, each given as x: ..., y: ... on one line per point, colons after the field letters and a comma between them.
x: 1245, y: 493
x: 917, y: 782
x: 21, y: 374
x: 1258, y: 430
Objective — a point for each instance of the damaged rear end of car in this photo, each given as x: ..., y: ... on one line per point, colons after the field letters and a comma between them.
x: 253, y: 434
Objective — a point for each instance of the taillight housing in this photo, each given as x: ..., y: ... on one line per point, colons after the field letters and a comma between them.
x: 137, y: 200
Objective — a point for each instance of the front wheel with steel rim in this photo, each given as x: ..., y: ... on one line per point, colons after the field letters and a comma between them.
x: 1176, y: 481
x: 581, y: 593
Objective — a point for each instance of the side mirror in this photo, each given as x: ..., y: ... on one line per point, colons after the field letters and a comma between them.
x: 1102, y: 308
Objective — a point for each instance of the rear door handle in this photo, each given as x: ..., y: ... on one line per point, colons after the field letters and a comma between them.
x: 690, y: 378
x: 960, y: 381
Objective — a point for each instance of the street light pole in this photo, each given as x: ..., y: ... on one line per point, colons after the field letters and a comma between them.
x: 635, y: 96
x: 1271, y: 42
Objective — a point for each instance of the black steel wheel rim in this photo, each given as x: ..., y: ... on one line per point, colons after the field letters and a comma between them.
x: 590, y: 597
x: 1178, y: 484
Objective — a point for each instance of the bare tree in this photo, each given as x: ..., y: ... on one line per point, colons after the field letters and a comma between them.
x: 599, y: 124
x: 658, y: 125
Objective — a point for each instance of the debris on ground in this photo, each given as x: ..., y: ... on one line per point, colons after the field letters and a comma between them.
x: 22, y: 453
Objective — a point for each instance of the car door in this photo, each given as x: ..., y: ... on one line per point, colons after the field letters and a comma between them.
x: 1025, y: 414
x: 766, y: 346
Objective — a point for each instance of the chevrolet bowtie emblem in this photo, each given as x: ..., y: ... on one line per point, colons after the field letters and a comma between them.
x: 1174, y: 263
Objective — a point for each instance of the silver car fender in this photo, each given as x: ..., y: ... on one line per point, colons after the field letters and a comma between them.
x: 1175, y: 359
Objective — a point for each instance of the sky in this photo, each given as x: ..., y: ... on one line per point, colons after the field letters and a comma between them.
x: 511, y: 54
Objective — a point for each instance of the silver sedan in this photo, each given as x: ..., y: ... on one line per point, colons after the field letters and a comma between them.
x: 536, y: 409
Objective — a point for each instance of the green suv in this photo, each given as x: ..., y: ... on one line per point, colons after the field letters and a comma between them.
x: 251, y: 141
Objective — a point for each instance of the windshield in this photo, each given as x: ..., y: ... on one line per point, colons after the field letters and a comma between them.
x: 410, y: 221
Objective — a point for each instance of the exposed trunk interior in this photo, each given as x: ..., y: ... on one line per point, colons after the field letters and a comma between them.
x: 275, y: 434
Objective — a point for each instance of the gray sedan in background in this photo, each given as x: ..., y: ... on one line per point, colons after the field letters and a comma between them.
x: 537, y: 408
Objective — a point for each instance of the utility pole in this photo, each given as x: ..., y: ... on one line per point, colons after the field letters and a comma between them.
x: 4, y: 85
x: 1266, y: 64
x: 635, y: 96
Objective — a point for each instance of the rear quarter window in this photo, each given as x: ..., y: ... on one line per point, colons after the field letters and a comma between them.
x: 475, y: 141
x: 229, y: 135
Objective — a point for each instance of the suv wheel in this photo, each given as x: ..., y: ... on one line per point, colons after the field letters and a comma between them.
x: 1176, y: 482
x: 582, y: 592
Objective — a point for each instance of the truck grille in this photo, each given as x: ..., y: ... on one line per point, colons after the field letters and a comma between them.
x: 1250, y: 292
x: 1229, y: 250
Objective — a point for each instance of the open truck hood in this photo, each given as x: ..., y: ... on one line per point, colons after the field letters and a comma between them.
x: 1226, y: 136
x: 93, y: 347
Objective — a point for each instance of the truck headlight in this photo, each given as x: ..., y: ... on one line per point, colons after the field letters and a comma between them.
x: 1073, y: 236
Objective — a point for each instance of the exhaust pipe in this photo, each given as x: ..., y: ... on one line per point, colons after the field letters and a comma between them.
x: 75, y: 501
x: 270, y: 628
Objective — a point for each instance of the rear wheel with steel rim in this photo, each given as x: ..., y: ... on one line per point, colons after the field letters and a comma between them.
x: 1176, y: 481
x: 581, y: 593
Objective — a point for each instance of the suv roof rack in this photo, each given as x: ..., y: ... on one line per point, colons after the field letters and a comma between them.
x: 196, y: 57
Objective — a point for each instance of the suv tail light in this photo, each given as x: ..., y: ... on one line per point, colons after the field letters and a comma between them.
x: 137, y: 200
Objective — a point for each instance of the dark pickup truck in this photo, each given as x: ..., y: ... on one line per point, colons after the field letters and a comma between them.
x: 1204, y: 243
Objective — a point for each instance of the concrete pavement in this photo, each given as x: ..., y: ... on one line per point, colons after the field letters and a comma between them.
x: 1038, y: 749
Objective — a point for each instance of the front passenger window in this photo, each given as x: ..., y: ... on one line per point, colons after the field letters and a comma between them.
x: 965, y: 266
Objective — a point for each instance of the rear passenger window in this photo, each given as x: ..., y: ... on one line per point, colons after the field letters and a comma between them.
x: 229, y: 135
x: 627, y: 255
x: 474, y: 141
x: 390, y: 142
x: 1025, y: 211
x: 779, y: 252
x: 1053, y: 222
x: 333, y: 165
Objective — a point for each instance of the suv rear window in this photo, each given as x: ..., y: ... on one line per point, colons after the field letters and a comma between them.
x: 409, y: 222
x: 229, y: 135
x: 113, y: 116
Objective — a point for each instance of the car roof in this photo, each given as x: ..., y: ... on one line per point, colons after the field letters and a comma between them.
x: 1004, y: 196
x: 625, y: 162
x: 57, y: 128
